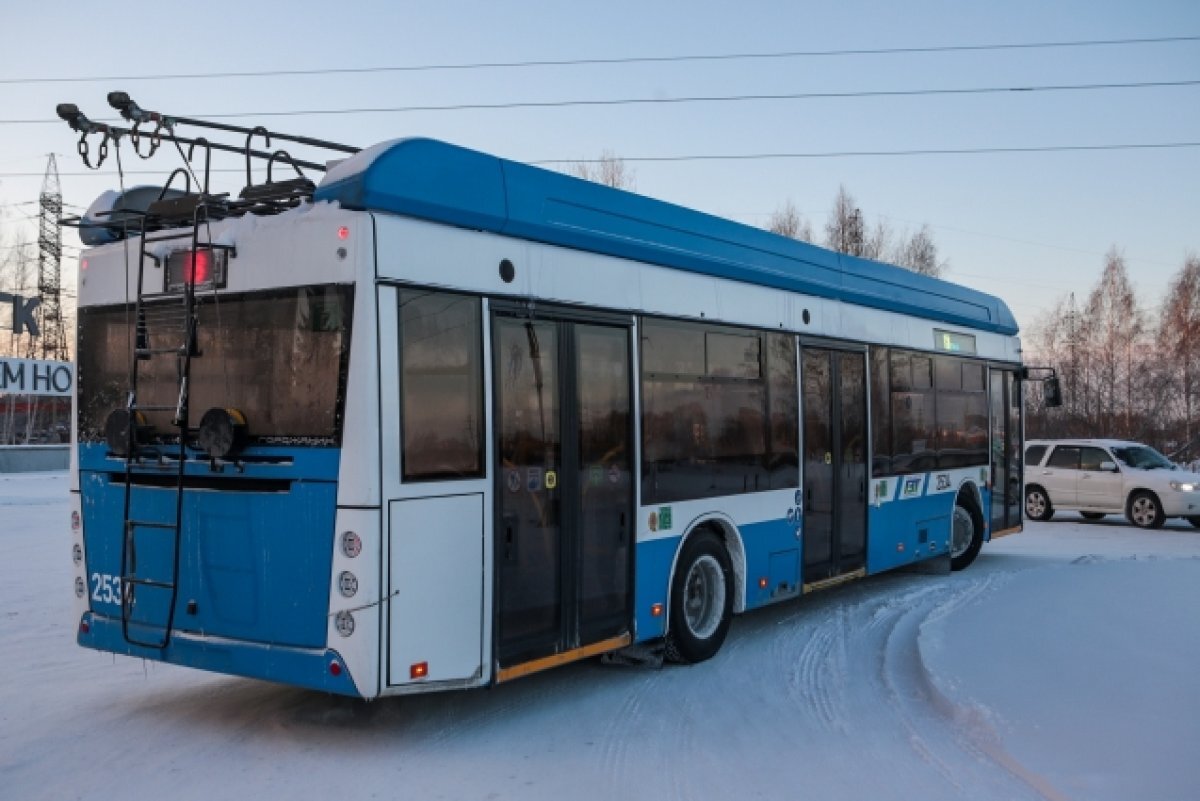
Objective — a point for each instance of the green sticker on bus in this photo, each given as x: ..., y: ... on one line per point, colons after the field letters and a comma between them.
x: 664, y: 518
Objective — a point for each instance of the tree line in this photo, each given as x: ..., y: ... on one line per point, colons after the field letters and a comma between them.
x: 1126, y: 372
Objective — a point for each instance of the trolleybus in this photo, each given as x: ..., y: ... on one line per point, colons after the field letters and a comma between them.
x: 440, y: 420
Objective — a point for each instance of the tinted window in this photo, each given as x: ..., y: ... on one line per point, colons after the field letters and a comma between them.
x: 716, y: 421
x: 278, y: 357
x: 1065, y: 456
x: 1090, y: 458
x: 1034, y: 454
x: 441, y: 385
x: 962, y: 414
x: 881, y: 416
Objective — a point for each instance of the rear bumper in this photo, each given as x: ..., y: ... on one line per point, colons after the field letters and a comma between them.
x: 305, y: 667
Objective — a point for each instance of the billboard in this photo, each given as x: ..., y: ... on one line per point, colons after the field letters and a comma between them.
x: 36, y: 377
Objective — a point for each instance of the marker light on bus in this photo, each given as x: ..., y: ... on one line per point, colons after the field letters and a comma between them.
x: 419, y: 670
x: 84, y: 628
x: 335, y: 669
x: 656, y: 610
x: 77, y: 553
x: 344, y: 623
x: 202, y: 269
x: 344, y: 232
x: 75, y: 521
x: 351, y: 544
x: 79, y: 588
x: 762, y: 583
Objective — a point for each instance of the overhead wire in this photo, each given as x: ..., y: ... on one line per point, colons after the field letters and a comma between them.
x: 616, y: 60
x: 641, y: 101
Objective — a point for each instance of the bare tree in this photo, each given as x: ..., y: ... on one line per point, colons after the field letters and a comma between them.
x: 1117, y: 340
x: 844, y: 228
x: 919, y: 253
x: 609, y: 170
x: 1179, y: 343
x: 787, y: 221
x: 877, y: 244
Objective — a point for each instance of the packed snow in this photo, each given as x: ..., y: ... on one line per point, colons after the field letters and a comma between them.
x: 1061, y: 665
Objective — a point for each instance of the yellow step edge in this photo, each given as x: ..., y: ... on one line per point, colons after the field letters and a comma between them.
x: 1005, y: 532
x: 554, y: 660
x: 835, y: 580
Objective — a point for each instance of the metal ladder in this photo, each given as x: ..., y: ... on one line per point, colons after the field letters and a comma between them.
x: 133, y: 629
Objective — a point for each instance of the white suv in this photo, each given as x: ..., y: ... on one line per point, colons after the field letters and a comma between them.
x: 1097, y: 477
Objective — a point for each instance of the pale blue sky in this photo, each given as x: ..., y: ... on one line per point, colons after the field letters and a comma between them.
x: 1027, y: 227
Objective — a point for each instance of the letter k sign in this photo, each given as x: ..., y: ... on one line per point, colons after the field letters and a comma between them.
x: 22, y: 313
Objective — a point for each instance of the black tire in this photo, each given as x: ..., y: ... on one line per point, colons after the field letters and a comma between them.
x: 1037, y: 503
x: 1144, y: 510
x: 701, y: 600
x: 1092, y: 515
x: 1194, y: 520
x: 966, y: 533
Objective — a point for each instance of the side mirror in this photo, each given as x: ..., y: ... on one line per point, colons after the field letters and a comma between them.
x: 1052, y: 392
x: 1109, y: 467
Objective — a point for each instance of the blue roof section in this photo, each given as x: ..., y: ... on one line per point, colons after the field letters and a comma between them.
x: 445, y: 183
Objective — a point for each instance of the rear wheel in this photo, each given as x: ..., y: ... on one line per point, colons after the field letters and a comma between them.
x: 1144, y: 510
x: 701, y: 600
x: 966, y: 534
x: 1037, y: 504
x: 1092, y: 515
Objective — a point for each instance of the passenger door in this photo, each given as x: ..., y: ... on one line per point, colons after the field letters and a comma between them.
x: 1060, y: 475
x: 1096, y: 488
x: 563, y: 486
x: 835, y: 463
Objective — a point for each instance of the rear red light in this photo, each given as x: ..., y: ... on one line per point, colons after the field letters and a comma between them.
x: 84, y: 628
x: 419, y: 671
x: 335, y: 669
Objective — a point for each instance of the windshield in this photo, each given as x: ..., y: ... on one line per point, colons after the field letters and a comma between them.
x: 278, y: 357
x: 1142, y: 457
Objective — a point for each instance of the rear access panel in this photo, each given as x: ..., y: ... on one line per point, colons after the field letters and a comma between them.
x: 436, y: 560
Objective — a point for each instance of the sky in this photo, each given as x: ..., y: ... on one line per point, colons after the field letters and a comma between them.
x: 1029, y: 227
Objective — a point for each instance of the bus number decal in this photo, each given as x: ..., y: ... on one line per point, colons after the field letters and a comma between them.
x: 106, y: 589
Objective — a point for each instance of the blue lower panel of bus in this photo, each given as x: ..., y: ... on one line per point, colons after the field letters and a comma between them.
x: 298, y: 666
x: 772, y: 553
x: 254, y: 555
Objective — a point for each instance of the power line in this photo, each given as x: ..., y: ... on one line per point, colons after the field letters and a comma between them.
x: 754, y: 156
x: 629, y: 101
x: 483, y: 65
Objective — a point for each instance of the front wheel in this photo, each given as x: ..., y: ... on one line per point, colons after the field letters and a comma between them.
x: 701, y: 600
x: 1145, y: 511
x: 1037, y: 504
x: 966, y: 537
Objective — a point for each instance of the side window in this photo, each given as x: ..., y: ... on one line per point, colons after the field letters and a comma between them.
x: 962, y: 413
x: 1064, y: 456
x: 881, y: 414
x: 441, y: 385
x: 1034, y: 454
x: 719, y: 411
x: 914, y: 429
x: 1090, y: 458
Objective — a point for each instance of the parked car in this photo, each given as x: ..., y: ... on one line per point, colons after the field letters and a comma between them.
x: 1097, y: 477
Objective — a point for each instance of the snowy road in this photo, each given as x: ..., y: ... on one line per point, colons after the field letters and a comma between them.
x: 1061, y: 665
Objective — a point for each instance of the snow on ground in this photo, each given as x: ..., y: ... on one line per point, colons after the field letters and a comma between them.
x: 1059, y: 666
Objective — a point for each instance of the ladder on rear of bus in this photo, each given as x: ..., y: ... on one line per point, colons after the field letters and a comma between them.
x: 153, y: 325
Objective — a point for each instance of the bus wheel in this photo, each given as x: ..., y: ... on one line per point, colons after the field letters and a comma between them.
x: 966, y: 535
x: 701, y: 600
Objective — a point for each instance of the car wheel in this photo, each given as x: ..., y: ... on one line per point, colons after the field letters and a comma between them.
x: 1144, y: 510
x: 966, y: 535
x: 1092, y: 515
x: 1194, y: 520
x: 701, y: 600
x: 1037, y: 504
